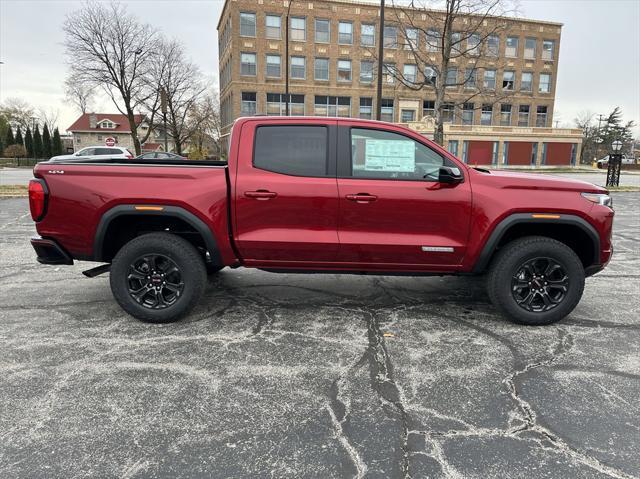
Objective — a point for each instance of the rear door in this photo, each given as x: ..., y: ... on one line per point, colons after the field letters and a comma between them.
x: 393, y: 211
x: 286, y: 194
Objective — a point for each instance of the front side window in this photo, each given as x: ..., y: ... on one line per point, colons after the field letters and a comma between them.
x: 545, y: 83
x: 493, y: 45
x: 321, y: 69
x: 366, y: 108
x: 292, y: 150
x: 526, y: 83
x: 273, y: 25
x: 386, y: 109
x: 248, y: 105
x: 489, y: 80
x: 345, y: 33
x: 298, y: 29
x: 530, y: 48
x: 410, y: 73
x: 548, y: 46
x: 366, y: 71
x: 390, y: 36
x: 505, y: 114
x: 367, y: 35
x: 248, y: 64
x: 323, y: 30
x: 508, y: 80
x: 298, y: 68
x: 273, y: 66
x: 344, y: 70
x: 385, y: 155
x: 247, y: 24
x: 511, y: 50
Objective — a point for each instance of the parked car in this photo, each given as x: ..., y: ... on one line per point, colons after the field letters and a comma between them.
x: 95, y: 153
x: 323, y: 195
x: 160, y: 155
x: 604, y: 162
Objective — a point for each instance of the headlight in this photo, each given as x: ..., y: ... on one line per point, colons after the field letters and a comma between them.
x: 598, y: 198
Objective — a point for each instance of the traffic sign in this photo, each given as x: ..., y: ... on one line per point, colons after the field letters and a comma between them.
x: 110, y: 141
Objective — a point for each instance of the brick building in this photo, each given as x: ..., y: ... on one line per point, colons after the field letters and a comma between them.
x: 332, y: 68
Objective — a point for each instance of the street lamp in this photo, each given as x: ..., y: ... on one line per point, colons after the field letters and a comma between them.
x: 615, y: 161
x: 616, y: 146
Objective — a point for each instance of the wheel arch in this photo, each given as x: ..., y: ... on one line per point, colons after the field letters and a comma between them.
x: 571, y: 230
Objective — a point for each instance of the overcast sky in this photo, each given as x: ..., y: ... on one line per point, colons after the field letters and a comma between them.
x: 599, y: 51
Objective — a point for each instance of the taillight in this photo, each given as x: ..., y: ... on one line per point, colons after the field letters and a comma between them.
x: 37, y: 199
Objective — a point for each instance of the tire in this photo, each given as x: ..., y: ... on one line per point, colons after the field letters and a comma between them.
x: 170, y: 284
x: 535, y: 280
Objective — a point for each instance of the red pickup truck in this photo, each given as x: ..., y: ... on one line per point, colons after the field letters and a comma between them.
x: 322, y: 195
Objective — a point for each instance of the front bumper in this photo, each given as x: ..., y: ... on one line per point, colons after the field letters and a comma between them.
x: 50, y: 252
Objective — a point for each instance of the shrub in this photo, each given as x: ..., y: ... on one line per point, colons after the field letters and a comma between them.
x: 15, y: 151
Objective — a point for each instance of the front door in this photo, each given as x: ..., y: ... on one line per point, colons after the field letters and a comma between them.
x: 393, y: 211
x: 286, y: 194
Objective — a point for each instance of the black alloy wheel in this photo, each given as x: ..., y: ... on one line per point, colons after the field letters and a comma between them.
x: 540, y: 284
x: 155, y: 281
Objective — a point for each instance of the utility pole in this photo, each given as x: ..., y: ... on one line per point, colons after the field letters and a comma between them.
x: 286, y: 60
x: 380, y: 59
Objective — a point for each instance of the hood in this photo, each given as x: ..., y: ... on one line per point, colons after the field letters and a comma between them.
x: 537, y: 181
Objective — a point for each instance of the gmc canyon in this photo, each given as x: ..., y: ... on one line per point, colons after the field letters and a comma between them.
x: 321, y: 195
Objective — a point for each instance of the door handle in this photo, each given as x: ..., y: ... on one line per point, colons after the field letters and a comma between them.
x: 362, y: 198
x: 260, y: 194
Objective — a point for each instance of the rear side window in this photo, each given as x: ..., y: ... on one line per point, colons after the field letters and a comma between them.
x: 292, y: 150
x: 107, y: 151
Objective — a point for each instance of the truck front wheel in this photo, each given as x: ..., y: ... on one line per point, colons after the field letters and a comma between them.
x: 536, y: 280
x: 157, y: 277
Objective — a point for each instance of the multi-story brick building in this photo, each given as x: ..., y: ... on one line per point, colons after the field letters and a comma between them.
x: 332, y: 71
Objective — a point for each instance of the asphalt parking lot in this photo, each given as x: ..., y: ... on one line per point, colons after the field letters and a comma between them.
x: 315, y: 376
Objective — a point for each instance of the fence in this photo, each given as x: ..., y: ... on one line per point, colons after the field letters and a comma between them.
x: 20, y: 162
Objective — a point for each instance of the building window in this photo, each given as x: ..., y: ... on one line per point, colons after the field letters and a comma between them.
x: 452, y: 147
x: 410, y: 73
x: 548, y: 46
x: 530, y: 48
x: 344, y: 70
x: 366, y: 108
x: 298, y: 68
x: 332, y: 106
x: 298, y: 29
x: 407, y: 116
x: 511, y: 50
x: 470, y: 78
x: 248, y: 104
x: 367, y: 35
x: 273, y: 66
x: 323, y: 31
x: 486, y: 115
x: 526, y: 83
x: 247, y: 24
x: 452, y: 77
x: 248, y: 64
x: 411, y: 39
x: 541, y: 116
x: 321, y: 69
x: 273, y: 25
x: 545, y: 83
x: 508, y: 80
x: 493, y: 45
x: 389, y: 73
x: 489, y: 80
x: 523, y: 115
x: 345, y: 33
x: 456, y: 43
x: 448, y: 110
x: 428, y: 108
x: 467, y: 113
x: 366, y: 71
x: 473, y: 44
x: 505, y: 114
x: 433, y: 40
x: 107, y: 125
x: 386, y: 109
x: 430, y: 76
x: 276, y: 104
x: 390, y: 37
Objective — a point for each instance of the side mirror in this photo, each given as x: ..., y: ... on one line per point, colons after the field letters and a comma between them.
x: 450, y: 175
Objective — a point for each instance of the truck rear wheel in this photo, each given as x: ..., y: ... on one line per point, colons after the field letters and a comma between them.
x: 157, y: 277
x: 536, y: 280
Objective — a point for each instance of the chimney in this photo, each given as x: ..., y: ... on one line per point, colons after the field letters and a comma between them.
x: 93, y: 120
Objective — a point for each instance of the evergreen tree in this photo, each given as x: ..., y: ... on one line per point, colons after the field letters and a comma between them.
x: 46, y: 143
x: 19, y: 140
x: 9, y: 140
x: 57, y: 143
x: 28, y: 142
x: 37, y: 143
x: 1, y: 148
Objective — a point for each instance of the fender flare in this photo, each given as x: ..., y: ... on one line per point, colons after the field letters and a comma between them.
x: 518, y: 218
x: 170, y: 211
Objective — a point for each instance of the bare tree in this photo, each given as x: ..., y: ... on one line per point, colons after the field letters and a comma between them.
x: 462, y: 34
x: 18, y: 113
x: 79, y: 93
x: 182, y: 82
x: 49, y: 117
x: 204, y: 120
x: 109, y: 48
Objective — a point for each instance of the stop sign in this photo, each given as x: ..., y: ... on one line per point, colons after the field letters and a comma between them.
x: 110, y: 141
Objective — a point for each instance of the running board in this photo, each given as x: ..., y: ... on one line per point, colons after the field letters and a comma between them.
x: 98, y: 270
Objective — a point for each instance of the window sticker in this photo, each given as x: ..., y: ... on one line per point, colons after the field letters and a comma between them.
x: 390, y: 155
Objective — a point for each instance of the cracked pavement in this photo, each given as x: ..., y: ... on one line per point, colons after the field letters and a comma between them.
x: 279, y: 375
